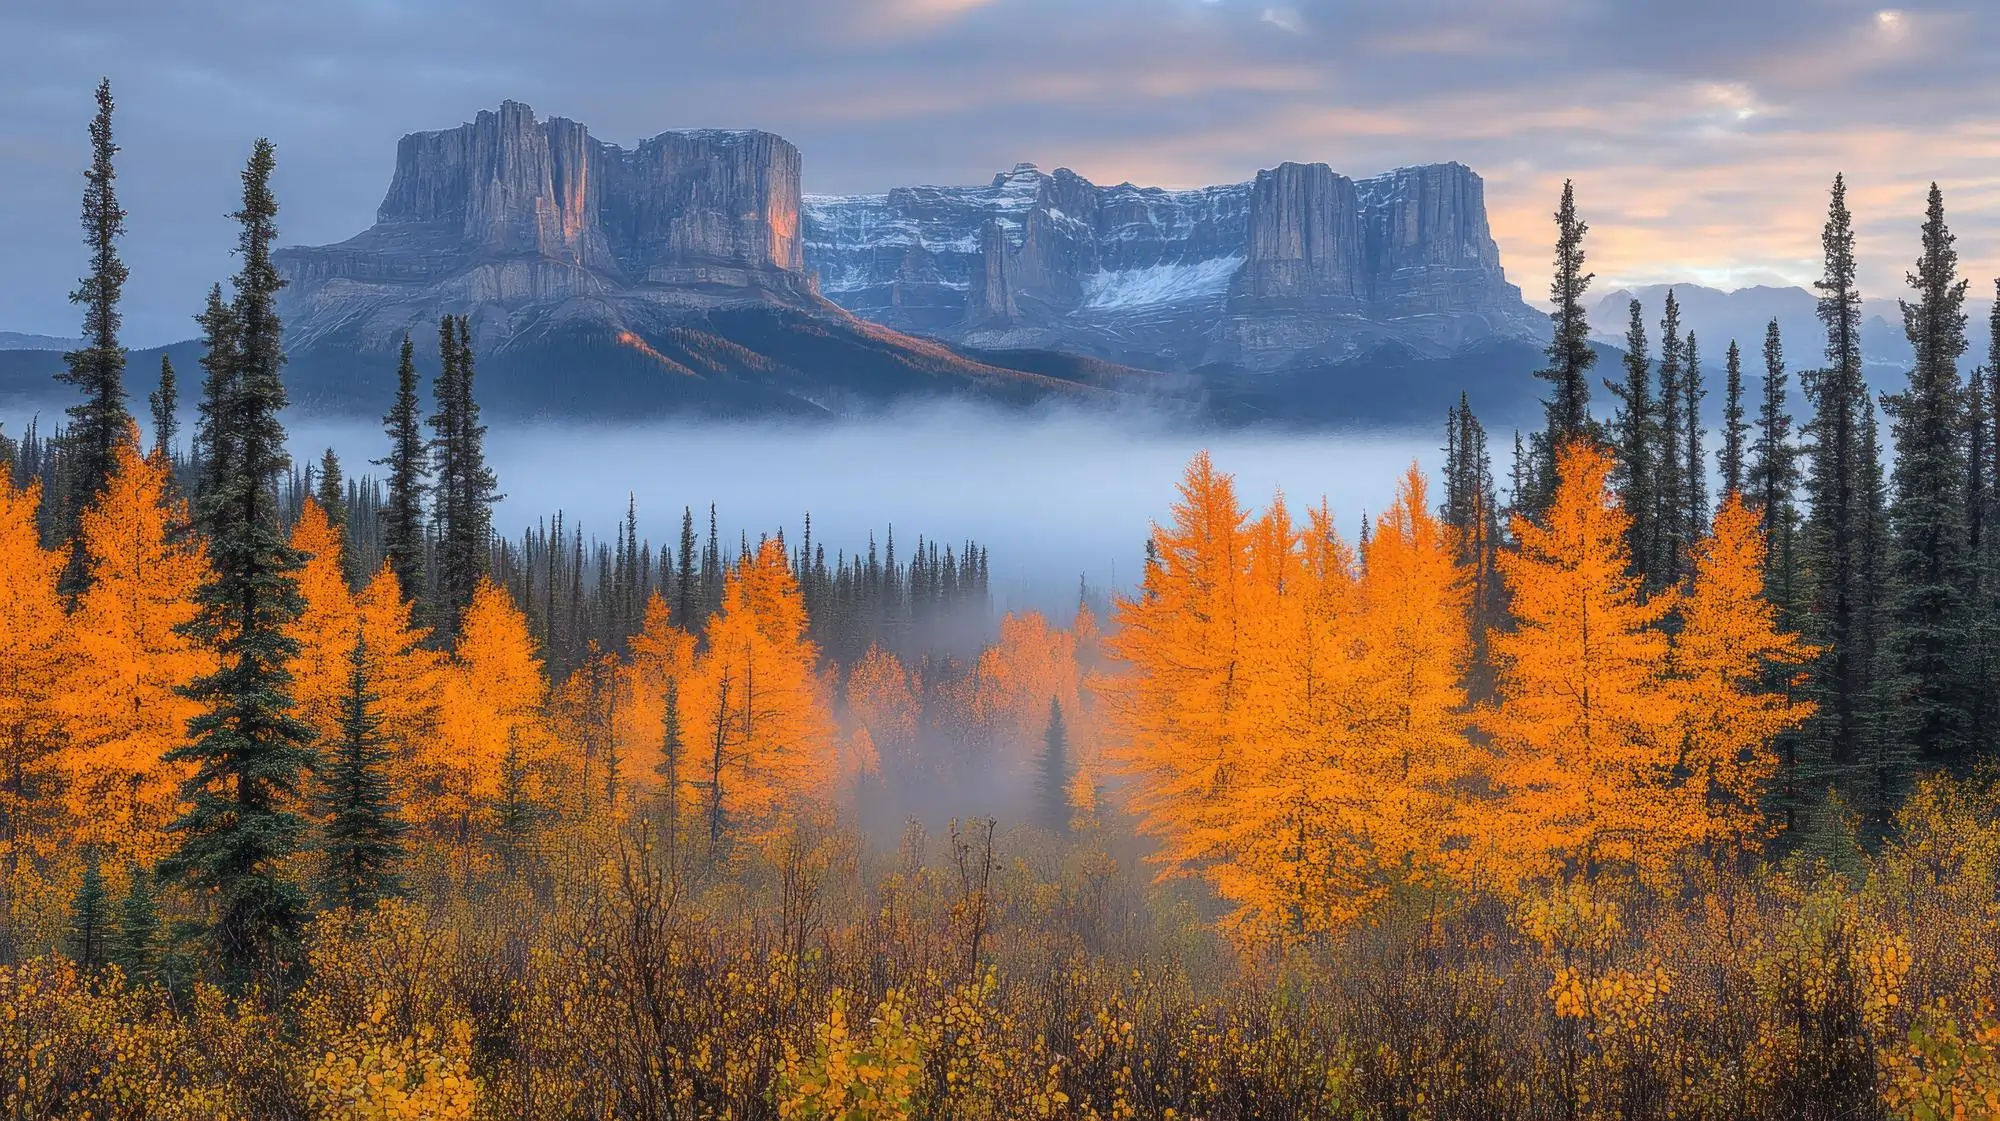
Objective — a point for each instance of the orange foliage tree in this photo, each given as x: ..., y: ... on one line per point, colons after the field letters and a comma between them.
x: 490, y: 703
x: 1728, y: 642
x: 1585, y: 730
x: 123, y: 706
x: 407, y: 676
x: 765, y: 739
x: 1031, y: 664
x: 661, y: 665
x: 325, y: 630
x: 36, y: 663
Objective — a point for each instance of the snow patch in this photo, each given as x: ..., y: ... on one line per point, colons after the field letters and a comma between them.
x: 1161, y: 284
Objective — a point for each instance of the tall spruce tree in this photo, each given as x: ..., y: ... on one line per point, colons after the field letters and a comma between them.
x: 1929, y: 626
x: 687, y: 581
x: 1734, y: 427
x: 1633, y: 431
x: 1472, y: 509
x: 213, y: 450
x: 331, y: 496
x: 363, y: 832
x: 1982, y: 516
x: 673, y: 756
x: 1569, y: 352
x: 248, y: 747
x: 1774, y: 476
x: 465, y: 486
x: 165, y: 402
x: 1052, y: 784
x: 402, y: 510
x: 1887, y: 758
x: 1693, y: 522
x: 135, y: 943
x: 1670, y: 470
x: 98, y: 423
x: 1840, y: 619
x: 90, y: 924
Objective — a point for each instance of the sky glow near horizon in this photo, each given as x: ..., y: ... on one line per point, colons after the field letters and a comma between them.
x: 1702, y: 139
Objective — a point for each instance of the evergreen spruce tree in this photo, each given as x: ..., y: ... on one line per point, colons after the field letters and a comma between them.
x: 515, y: 815
x: 403, y: 506
x: 248, y: 747
x: 1693, y: 521
x: 1569, y: 351
x: 213, y: 448
x: 363, y: 832
x: 1670, y: 531
x: 135, y: 944
x: 465, y: 486
x: 673, y: 751
x: 1052, y: 785
x: 332, y: 499
x: 1633, y: 433
x: 1774, y: 475
x: 1472, y: 509
x: 687, y: 581
x: 90, y: 919
x: 1887, y: 757
x: 165, y: 402
x: 1734, y: 427
x: 1982, y: 516
x: 1840, y: 618
x: 100, y: 421
x: 1929, y: 626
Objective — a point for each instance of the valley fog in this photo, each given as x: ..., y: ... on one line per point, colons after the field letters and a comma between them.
x: 1051, y: 496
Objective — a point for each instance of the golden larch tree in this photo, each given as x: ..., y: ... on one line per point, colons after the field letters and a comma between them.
x: 764, y: 744
x: 1729, y: 642
x: 1029, y: 665
x: 883, y: 707
x: 661, y: 665
x: 124, y: 705
x: 406, y: 675
x: 325, y: 631
x: 492, y: 698
x: 1415, y: 642
x: 1179, y: 719
x: 1586, y: 725
x: 37, y: 661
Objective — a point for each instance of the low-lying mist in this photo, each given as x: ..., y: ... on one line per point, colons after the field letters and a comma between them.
x: 1052, y: 496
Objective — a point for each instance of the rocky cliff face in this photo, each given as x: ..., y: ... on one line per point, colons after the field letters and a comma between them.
x: 1301, y: 262
x: 531, y: 227
x: 513, y: 221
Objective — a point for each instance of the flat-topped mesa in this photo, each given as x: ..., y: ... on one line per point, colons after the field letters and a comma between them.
x: 509, y: 211
x: 1299, y: 259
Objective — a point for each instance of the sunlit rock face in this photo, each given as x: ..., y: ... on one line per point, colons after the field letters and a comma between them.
x: 518, y: 222
x: 1301, y: 263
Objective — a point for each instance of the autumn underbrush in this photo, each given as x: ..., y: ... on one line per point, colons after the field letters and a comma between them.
x: 614, y: 972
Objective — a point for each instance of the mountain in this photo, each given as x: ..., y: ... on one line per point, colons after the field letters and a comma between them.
x: 15, y: 340
x: 1743, y: 314
x: 1299, y: 265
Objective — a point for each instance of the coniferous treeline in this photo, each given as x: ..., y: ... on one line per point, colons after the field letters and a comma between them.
x: 1889, y: 569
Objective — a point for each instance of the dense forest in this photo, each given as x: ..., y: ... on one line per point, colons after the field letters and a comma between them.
x: 1654, y: 785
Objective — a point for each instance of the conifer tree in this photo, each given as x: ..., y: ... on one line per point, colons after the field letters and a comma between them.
x: 1834, y: 545
x: 332, y: 498
x: 1734, y: 427
x: 165, y: 403
x: 1472, y: 509
x: 134, y: 945
x: 363, y: 831
x: 465, y: 485
x: 673, y: 755
x: 1929, y: 628
x: 1569, y: 351
x: 1693, y: 520
x: 90, y: 919
x: 99, y: 422
x: 687, y: 589
x: 1584, y: 726
x: 1634, y: 437
x: 515, y: 813
x: 1670, y: 466
x: 403, y: 506
x: 1982, y: 517
x: 249, y: 749
x: 213, y: 450
x: 1774, y: 473
x: 1053, y: 777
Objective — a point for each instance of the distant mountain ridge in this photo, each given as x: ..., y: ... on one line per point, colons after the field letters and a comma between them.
x: 1743, y: 314
x: 1299, y: 264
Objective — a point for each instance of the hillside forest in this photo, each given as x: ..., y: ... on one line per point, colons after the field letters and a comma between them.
x: 1656, y: 783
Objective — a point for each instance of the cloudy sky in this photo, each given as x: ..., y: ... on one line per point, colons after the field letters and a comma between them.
x: 1702, y: 134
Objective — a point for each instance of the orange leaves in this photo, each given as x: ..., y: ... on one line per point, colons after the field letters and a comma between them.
x: 1729, y: 640
x: 1585, y: 729
x: 36, y: 660
x: 764, y: 741
x: 492, y: 696
x: 123, y: 707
